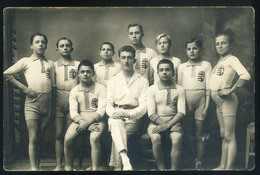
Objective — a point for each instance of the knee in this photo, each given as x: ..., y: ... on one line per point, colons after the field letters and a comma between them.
x: 156, y: 139
x: 33, y: 140
x: 229, y: 138
x: 222, y: 133
x: 95, y: 140
x: 59, y: 136
x: 68, y: 141
x: 176, y: 141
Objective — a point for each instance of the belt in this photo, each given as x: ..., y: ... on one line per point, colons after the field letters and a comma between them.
x: 124, y: 106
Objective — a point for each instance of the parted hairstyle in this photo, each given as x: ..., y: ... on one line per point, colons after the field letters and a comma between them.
x: 166, y: 61
x: 196, y: 41
x: 134, y: 25
x: 63, y: 38
x: 228, y: 33
x: 126, y: 49
x: 157, y: 39
x: 108, y: 43
x: 86, y: 63
x: 38, y: 34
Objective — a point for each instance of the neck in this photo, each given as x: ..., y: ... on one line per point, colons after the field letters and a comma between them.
x: 128, y: 74
x: 167, y: 83
x: 195, y: 60
x: 40, y: 56
x: 138, y: 46
x: 164, y: 56
x: 86, y: 84
x: 107, y: 61
x: 224, y: 55
x: 67, y: 58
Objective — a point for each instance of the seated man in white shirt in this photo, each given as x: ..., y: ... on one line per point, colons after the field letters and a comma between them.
x: 126, y: 104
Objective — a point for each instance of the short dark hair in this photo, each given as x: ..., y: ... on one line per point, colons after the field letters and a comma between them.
x: 126, y: 49
x: 196, y: 41
x: 108, y: 43
x: 166, y: 61
x: 86, y: 63
x: 229, y: 33
x: 63, y: 38
x: 38, y: 34
x: 134, y: 25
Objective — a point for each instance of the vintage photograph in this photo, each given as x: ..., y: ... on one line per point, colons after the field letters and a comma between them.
x: 129, y: 88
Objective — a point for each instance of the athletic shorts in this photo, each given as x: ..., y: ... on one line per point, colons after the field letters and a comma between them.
x: 176, y: 128
x: 39, y: 107
x: 226, y: 105
x: 62, y: 104
x: 195, y: 103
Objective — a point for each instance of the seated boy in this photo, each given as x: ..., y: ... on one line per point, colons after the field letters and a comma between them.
x: 126, y: 104
x: 106, y: 68
x: 166, y: 108
x: 87, y: 107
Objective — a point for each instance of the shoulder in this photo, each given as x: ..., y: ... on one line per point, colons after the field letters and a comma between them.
x: 153, y: 87
x: 150, y: 51
x: 206, y: 63
x: 179, y: 87
x: 181, y: 66
x: 74, y: 89
x: 99, y: 86
x: 117, y: 64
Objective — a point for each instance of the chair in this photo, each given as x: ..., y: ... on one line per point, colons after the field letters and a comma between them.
x: 250, y: 142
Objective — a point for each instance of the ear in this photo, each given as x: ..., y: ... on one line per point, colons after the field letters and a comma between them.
x: 134, y: 60
x: 72, y: 49
x: 142, y: 35
x: 31, y: 46
x: 113, y: 53
x: 57, y: 49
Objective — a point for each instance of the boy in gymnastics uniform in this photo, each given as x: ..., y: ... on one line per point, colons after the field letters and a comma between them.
x: 39, y: 74
x: 87, y: 106
x: 166, y: 109
x: 106, y: 68
x: 143, y: 54
x: 66, y: 77
x: 163, y: 44
x: 126, y: 105
x: 194, y: 77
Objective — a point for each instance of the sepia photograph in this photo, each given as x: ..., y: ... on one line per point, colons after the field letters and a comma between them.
x: 162, y: 88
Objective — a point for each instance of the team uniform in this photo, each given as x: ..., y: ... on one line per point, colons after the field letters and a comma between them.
x: 105, y: 71
x: 39, y: 75
x: 66, y: 77
x: 176, y: 62
x: 194, y: 78
x: 130, y: 98
x: 165, y: 102
x: 222, y: 78
x: 143, y: 58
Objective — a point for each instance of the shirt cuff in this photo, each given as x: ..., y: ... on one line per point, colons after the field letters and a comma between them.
x: 154, y: 117
x: 96, y: 116
x: 77, y: 118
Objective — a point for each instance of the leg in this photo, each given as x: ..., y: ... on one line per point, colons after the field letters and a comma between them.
x: 176, y: 139
x: 33, y: 131
x: 59, y: 123
x: 70, y: 136
x: 43, y: 125
x: 200, y: 142
x: 230, y: 125
x: 157, y: 149
x: 95, y: 147
x: 223, y: 161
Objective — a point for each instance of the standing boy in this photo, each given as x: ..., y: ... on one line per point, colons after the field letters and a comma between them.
x: 143, y: 54
x: 87, y: 106
x: 166, y: 108
x: 66, y: 77
x: 38, y: 72
x: 106, y: 68
x: 126, y: 104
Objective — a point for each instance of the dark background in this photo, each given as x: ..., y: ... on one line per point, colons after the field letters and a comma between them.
x: 89, y: 27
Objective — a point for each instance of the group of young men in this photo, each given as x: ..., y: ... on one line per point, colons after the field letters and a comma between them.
x: 86, y: 94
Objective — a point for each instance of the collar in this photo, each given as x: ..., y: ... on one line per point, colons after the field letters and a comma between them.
x: 35, y: 58
x: 228, y: 55
x: 133, y: 78
x: 90, y: 90
x: 194, y: 64
x: 112, y: 64
x: 61, y: 63
x: 143, y: 49
x: 161, y: 86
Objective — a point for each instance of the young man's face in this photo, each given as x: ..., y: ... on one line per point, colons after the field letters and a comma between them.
x: 85, y: 74
x: 223, y: 45
x: 165, y: 72
x: 39, y: 45
x: 106, y: 52
x: 135, y: 35
x: 64, y: 48
x: 163, y: 46
x: 193, y: 51
x: 127, y: 61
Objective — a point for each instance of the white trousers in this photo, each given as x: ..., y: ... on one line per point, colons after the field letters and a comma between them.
x: 120, y: 130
